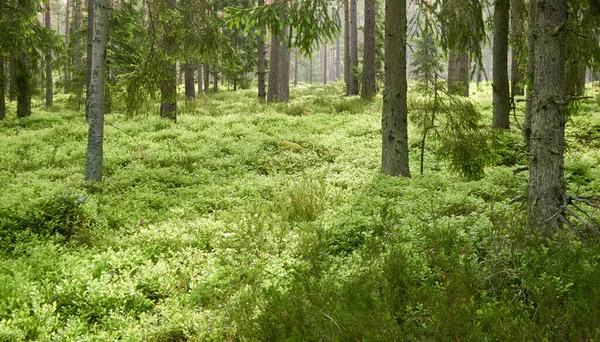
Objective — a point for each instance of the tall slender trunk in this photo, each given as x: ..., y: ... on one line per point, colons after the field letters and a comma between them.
x: 530, y: 70
x: 274, y: 76
x: 90, y: 38
x: 394, y: 121
x: 353, y: 48
x: 190, y: 85
x: 517, y: 31
x: 215, y: 80
x: 2, y: 85
x: 200, y: 79
x: 324, y: 49
x: 67, y: 36
x: 206, y: 77
x: 368, y: 76
x: 168, y: 88
x: 546, y: 197
x: 12, y: 80
x: 310, y: 72
x: 347, y: 58
x: 262, y: 87
x: 296, y: 68
x: 500, y: 70
x: 94, y: 155
x: 284, y: 68
x: 23, y: 84
x: 49, y: 81
x: 338, y: 58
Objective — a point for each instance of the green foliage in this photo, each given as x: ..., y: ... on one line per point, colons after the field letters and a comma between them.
x: 242, y: 222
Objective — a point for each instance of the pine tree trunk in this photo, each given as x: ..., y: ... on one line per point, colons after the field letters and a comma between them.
x: 353, y: 48
x: 546, y: 190
x: 2, y: 85
x: 90, y: 38
x: 458, y: 72
x: 284, y: 68
x: 394, y: 121
x: 168, y: 88
x: 296, y: 68
x: 262, y: 87
x: 347, y: 58
x: 274, y: 77
x: 67, y: 32
x: 200, y: 79
x: 368, y: 76
x: 206, y: 77
x: 530, y: 71
x: 517, y: 31
x: 500, y: 70
x: 49, y: 81
x: 12, y: 81
x: 23, y: 84
x: 338, y: 58
x: 94, y: 155
x: 324, y: 49
x: 215, y: 80
x: 190, y: 85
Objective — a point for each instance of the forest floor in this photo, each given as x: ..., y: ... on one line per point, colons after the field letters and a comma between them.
x: 246, y: 221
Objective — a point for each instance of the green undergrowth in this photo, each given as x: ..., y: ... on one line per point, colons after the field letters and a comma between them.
x: 268, y: 222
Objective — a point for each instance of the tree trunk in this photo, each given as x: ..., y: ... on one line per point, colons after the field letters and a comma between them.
x: 94, y: 155
x: 368, y: 76
x: 262, y: 87
x: 2, y: 86
x: 324, y: 49
x: 23, y: 84
x: 90, y: 38
x: 12, y: 81
x: 546, y: 190
x: 517, y: 31
x: 190, y: 85
x: 274, y: 76
x: 49, y: 82
x: 353, y: 48
x: 347, y: 58
x: 500, y: 70
x: 67, y: 29
x: 206, y: 77
x: 284, y: 68
x: 168, y: 87
x: 338, y: 58
x: 530, y: 70
x: 576, y: 78
x: 394, y: 121
x: 215, y: 80
x: 458, y: 72
x: 296, y: 68
x: 310, y: 73
x: 200, y: 79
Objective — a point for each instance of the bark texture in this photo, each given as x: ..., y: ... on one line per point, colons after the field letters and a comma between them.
x: 500, y: 71
x: 394, y: 121
x: 546, y: 189
x: 346, y: 46
x: 262, y: 72
x: 190, y: 84
x: 90, y: 38
x: 94, y: 155
x: 200, y: 79
x: 2, y: 87
x: 353, y: 48
x: 517, y: 31
x: 369, y: 87
x: 458, y: 72
x: 168, y: 87
x: 324, y: 49
x: 23, y: 84
x: 279, y: 69
x: 530, y: 70
x: 49, y: 81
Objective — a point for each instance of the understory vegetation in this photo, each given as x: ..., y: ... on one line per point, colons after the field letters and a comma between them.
x: 267, y: 222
